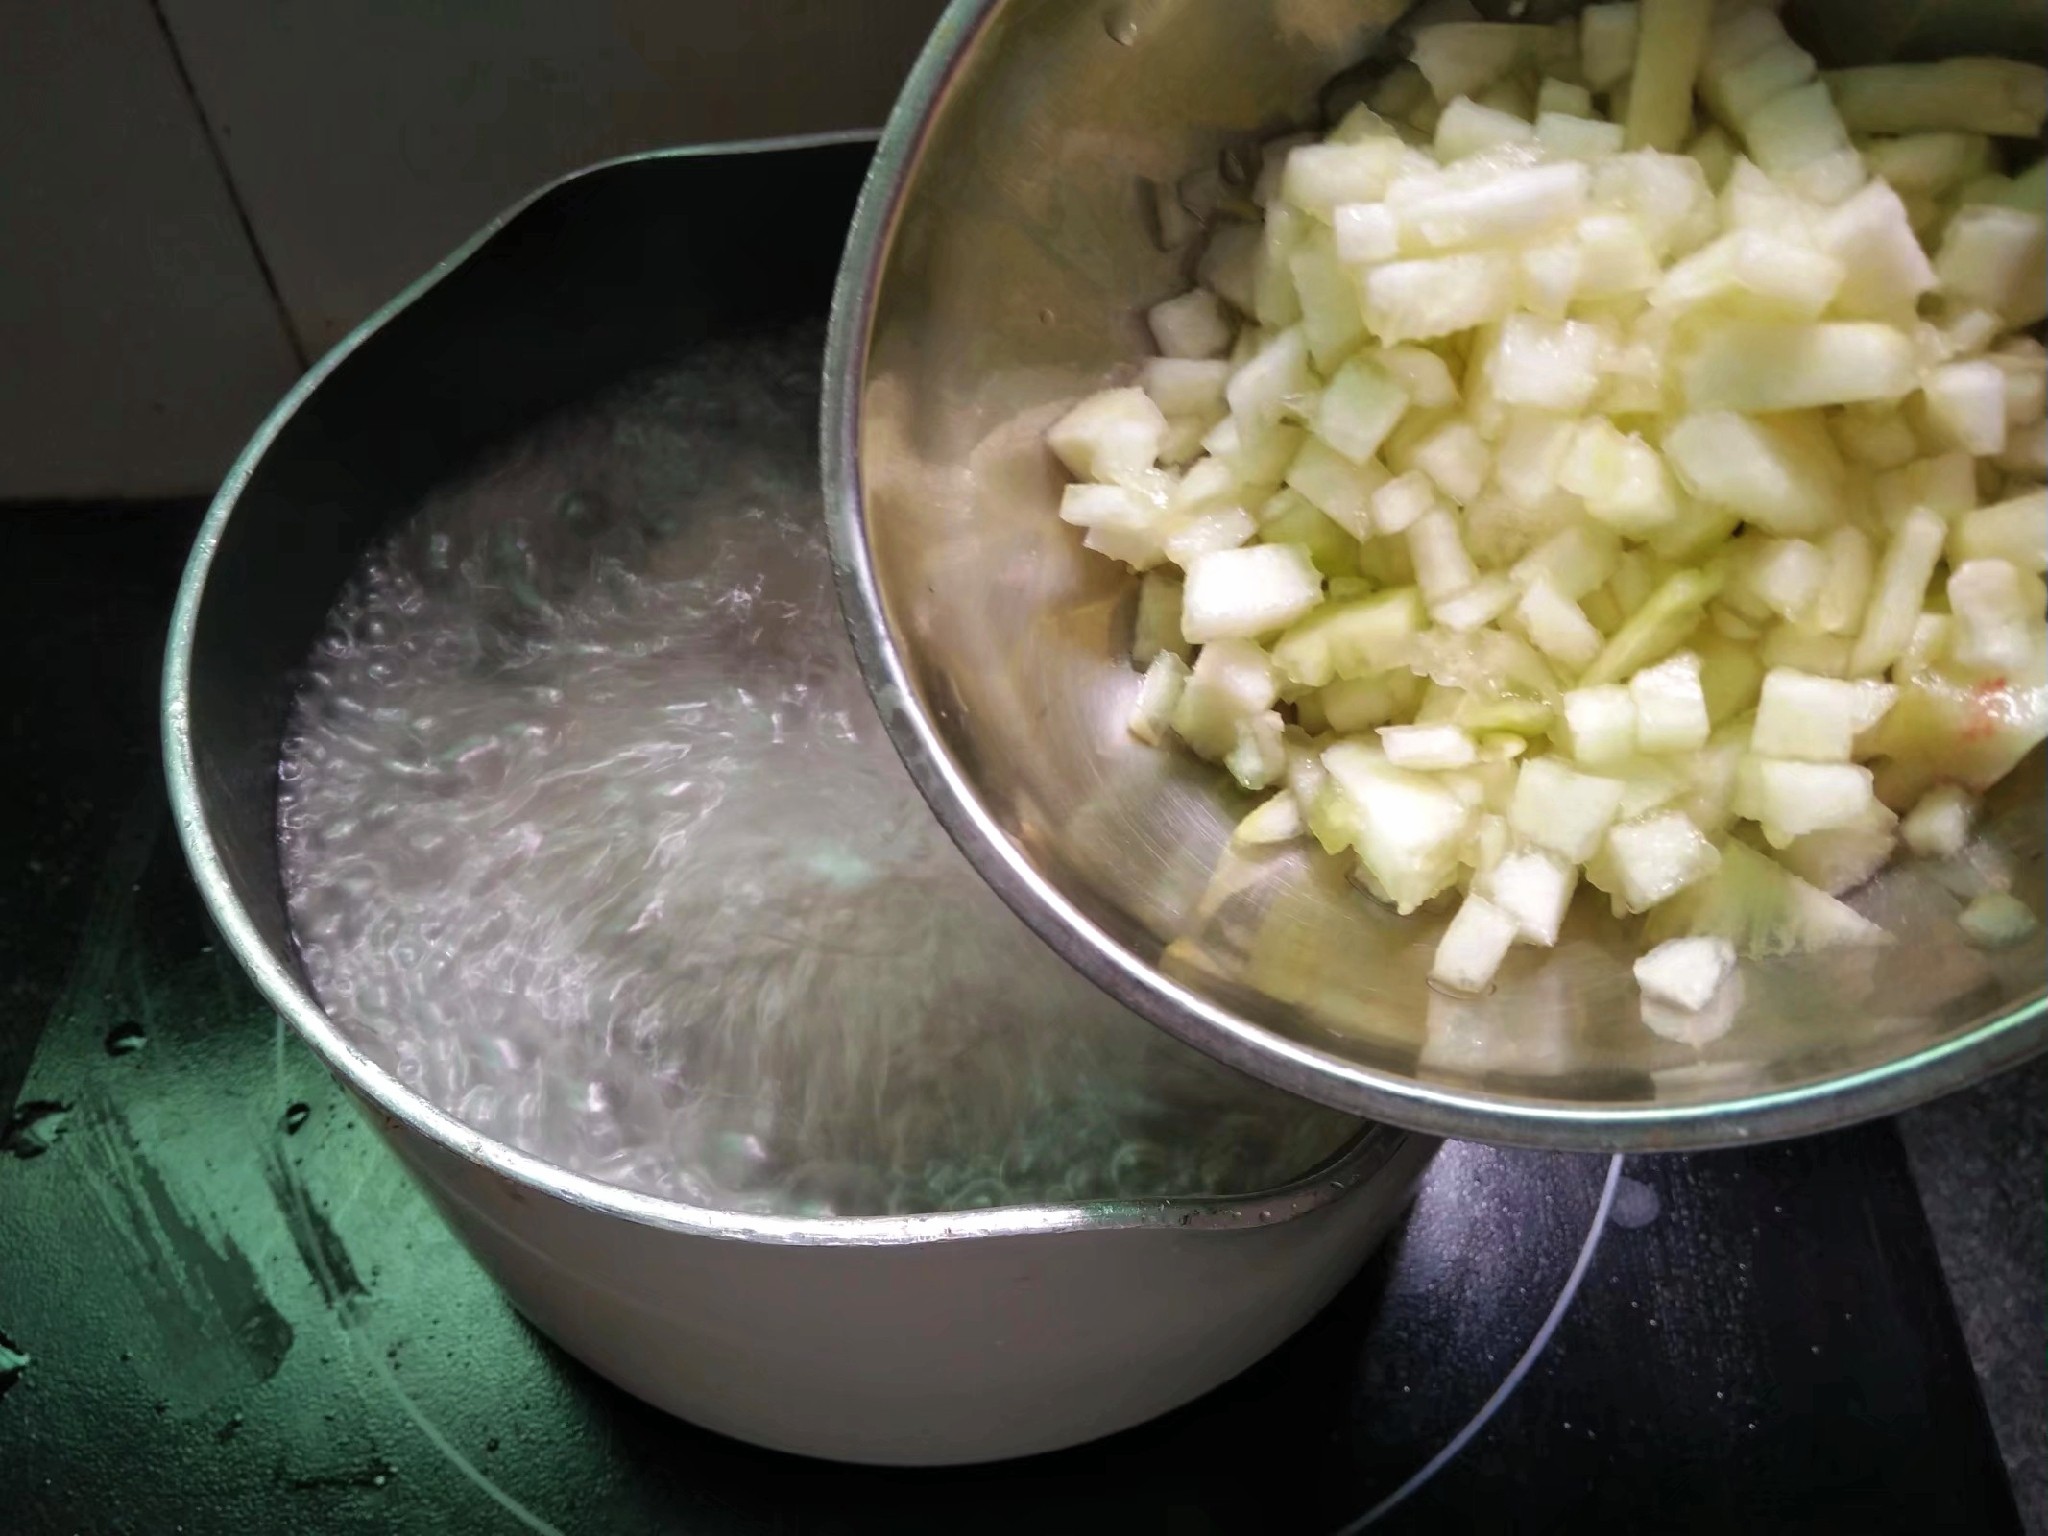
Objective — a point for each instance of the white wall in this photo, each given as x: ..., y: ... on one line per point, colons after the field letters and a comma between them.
x: 155, y: 160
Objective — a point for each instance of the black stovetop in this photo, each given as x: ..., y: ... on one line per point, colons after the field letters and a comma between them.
x: 240, y: 1316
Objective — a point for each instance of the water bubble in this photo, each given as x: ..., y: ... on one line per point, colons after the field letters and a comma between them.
x: 589, y: 832
x: 295, y: 1116
x: 126, y: 1038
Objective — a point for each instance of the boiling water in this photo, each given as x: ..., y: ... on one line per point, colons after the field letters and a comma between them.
x: 591, y: 836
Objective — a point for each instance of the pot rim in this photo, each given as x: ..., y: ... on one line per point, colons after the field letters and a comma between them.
x: 1351, y: 1165
x: 1996, y: 1043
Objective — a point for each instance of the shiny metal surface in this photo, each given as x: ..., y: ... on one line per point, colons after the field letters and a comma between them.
x: 997, y: 269
x: 909, y: 1339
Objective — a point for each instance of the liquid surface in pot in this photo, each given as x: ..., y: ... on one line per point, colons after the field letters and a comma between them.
x: 591, y: 837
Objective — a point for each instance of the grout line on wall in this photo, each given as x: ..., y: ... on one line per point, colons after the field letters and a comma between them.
x: 227, y: 176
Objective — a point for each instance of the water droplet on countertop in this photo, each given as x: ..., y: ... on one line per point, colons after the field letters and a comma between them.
x: 34, y: 1127
x: 296, y: 1115
x: 126, y: 1038
x: 1121, y: 23
x: 1636, y: 1204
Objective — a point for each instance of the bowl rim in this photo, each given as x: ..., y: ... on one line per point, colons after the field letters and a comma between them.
x: 1989, y: 1046
x: 1356, y: 1162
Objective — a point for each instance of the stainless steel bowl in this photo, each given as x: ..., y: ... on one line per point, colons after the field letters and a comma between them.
x: 997, y: 268
x: 913, y: 1339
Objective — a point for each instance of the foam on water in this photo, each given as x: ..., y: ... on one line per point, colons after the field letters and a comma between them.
x: 591, y: 835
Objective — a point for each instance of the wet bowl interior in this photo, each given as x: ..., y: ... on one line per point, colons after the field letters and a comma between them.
x: 1003, y: 254
x: 909, y: 1339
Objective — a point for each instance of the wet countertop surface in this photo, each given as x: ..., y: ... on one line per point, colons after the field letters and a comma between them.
x: 224, y: 1308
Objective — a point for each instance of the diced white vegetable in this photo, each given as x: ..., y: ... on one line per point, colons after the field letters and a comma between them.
x: 1456, y: 458
x: 1993, y: 257
x: 1650, y: 860
x: 1844, y: 595
x: 1753, y: 272
x: 1258, y: 755
x: 1671, y: 40
x: 1469, y: 128
x: 1997, y: 920
x: 1419, y: 300
x: 1463, y: 58
x: 1998, y: 616
x: 1966, y: 403
x: 1442, y: 567
x: 1240, y: 593
x: 1567, y: 136
x: 1884, y: 270
x: 1557, y: 807
x: 1878, y: 436
x: 1789, y: 798
x: 1764, y: 910
x: 1341, y: 490
x: 1193, y: 325
x: 1805, y: 650
x: 1780, y: 473
x: 1220, y: 528
x: 1232, y: 681
x: 1737, y: 92
x: 1783, y: 576
x: 1186, y: 386
x: 1996, y: 96
x: 1479, y: 604
x: 1158, y: 695
x: 1508, y: 205
x: 1550, y: 367
x: 1121, y: 523
x: 1814, y: 718
x: 1535, y: 889
x: 1400, y: 501
x: 1671, y: 705
x: 1896, y: 593
x: 1366, y: 233
x: 1275, y: 304
x: 1531, y: 451
x: 2014, y: 531
x: 1945, y: 483
x: 1666, y: 195
x: 1273, y: 381
x: 1228, y: 263
x: 1350, y: 639
x: 1473, y: 946
x: 1557, y: 626
x: 1760, y: 366
x: 1428, y: 746
x: 1616, y: 258
x: 1355, y: 704
x: 1565, y: 98
x: 1360, y: 406
x: 1842, y: 858
x: 1797, y: 138
x: 1277, y: 820
x: 1600, y: 724
x: 1407, y: 826
x: 1321, y: 177
x: 1550, y: 276
x: 1109, y: 436
x: 1621, y: 478
x: 1686, y: 973
x: 1425, y: 376
x: 1607, y: 43
x: 1939, y: 825
x: 1330, y: 315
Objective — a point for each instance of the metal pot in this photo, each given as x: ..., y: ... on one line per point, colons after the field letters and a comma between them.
x: 915, y: 1339
x: 999, y: 265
